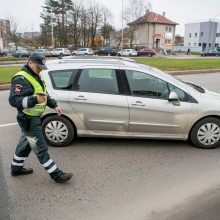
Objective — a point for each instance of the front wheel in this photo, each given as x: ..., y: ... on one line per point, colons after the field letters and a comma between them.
x: 206, y: 133
x: 58, y: 131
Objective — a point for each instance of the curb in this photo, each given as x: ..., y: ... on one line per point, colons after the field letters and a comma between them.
x: 5, y: 87
x: 193, y: 71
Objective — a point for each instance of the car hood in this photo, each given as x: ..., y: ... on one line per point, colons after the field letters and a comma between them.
x: 211, y: 93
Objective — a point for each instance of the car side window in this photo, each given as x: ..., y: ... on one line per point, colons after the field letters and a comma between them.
x: 184, y: 97
x: 145, y: 85
x: 62, y: 79
x: 98, y: 81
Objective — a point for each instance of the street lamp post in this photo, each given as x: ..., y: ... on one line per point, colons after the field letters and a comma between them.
x: 122, y: 31
x: 52, y: 39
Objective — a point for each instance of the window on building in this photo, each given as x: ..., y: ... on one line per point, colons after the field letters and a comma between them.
x: 217, y: 34
x: 201, y: 34
x: 195, y: 34
x: 194, y: 44
x: 169, y: 29
x: 167, y: 42
x: 200, y: 44
x: 189, y: 44
x: 166, y: 29
x: 190, y: 34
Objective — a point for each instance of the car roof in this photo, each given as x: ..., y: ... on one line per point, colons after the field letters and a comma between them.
x: 67, y: 62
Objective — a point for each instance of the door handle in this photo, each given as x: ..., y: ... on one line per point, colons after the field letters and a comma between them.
x: 138, y: 103
x: 80, y: 97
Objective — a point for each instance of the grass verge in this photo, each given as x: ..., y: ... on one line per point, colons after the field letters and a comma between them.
x: 181, y: 64
x: 6, y: 73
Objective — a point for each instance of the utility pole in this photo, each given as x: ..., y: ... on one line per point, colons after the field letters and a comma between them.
x: 122, y: 31
x: 52, y: 39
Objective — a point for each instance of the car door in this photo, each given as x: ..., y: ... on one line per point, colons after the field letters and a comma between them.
x: 151, y: 114
x: 97, y: 101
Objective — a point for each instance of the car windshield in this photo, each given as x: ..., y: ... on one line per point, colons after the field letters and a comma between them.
x: 194, y: 86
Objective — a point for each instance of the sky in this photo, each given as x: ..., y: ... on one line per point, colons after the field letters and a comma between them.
x: 26, y: 13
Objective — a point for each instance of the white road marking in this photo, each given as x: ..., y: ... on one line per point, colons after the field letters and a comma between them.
x: 6, y: 125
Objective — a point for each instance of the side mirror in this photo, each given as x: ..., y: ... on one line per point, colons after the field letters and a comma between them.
x: 173, y: 97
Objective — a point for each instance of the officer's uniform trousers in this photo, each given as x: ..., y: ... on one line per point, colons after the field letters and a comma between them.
x: 33, y: 139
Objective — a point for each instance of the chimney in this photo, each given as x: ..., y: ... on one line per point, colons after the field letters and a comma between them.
x: 164, y: 14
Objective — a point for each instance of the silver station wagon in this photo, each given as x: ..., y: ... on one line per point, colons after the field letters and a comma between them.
x: 117, y: 97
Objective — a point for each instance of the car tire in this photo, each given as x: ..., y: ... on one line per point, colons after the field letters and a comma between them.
x: 205, y: 134
x: 52, y: 126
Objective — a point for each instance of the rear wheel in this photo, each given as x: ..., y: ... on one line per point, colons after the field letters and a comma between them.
x: 206, y: 133
x: 58, y: 131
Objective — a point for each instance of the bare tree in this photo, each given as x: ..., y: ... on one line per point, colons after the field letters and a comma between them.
x: 12, y: 31
x: 75, y: 22
x: 106, y: 27
x: 132, y: 16
x: 95, y: 19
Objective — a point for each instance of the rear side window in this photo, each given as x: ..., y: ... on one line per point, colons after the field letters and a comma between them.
x: 62, y: 79
x: 98, y: 81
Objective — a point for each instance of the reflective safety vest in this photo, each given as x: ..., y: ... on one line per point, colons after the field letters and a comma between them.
x: 38, y: 109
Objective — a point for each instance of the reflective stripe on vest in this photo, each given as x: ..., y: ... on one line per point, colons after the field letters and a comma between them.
x: 38, y: 109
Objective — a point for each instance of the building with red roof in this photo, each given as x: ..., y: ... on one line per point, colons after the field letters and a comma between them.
x: 152, y: 30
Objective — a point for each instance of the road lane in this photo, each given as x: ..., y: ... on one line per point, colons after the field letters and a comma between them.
x: 116, y: 179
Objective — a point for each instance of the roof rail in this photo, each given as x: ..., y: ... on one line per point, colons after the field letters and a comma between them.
x: 95, y: 57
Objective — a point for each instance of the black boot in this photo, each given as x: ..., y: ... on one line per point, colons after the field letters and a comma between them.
x: 63, y: 177
x: 24, y: 171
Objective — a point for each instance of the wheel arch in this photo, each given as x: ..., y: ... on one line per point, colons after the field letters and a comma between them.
x: 207, y: 116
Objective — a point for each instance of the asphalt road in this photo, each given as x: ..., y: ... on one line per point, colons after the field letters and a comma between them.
x: 116, y: 179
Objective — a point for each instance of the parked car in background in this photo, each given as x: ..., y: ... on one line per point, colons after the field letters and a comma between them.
x: 22, y: 53
x: 61, y: 52
x: 107, y: 51
x: 211, y: 53
x: 3, y: 54
x: 83, y: 51
x: 127, y: 52
x: 117, y: 97
x: 146, y: 52
x: 45, y: 52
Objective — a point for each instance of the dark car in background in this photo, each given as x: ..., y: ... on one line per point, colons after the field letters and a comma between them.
x: 146, y: 52
x: 106, y: 51
x: 3, y: 54
x: 22, y: 53
x: 45, y: 52
x: 214, y: 53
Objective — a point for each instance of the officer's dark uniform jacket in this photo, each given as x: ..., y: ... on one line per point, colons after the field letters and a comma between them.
x: 15, y: 99
x: 21, y: 97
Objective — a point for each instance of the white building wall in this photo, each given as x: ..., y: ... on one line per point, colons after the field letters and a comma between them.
x: 192, y: 33
x: 218, y: 31
x: 1, y: 44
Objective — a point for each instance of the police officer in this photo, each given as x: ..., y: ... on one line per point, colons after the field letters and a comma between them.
x: 28, y: 94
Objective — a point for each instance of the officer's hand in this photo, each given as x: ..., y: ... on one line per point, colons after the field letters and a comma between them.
x: 58, y: 111
x: 41, y: 98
